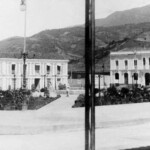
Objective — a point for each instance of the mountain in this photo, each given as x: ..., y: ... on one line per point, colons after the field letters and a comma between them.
x: 132, y: 16
x: 68, y: 43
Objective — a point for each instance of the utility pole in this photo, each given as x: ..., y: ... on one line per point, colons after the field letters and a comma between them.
x: 90, y: 75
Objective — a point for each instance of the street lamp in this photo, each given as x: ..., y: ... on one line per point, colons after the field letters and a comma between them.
x: 44, y: 78
x: 99, y: 85
x: 55, y: 80
x: 103, y: 75
x: 24, y: 54
x: 24, y: 70
x: 14, y: 82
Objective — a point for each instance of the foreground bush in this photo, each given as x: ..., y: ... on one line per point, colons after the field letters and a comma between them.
x: 15, y: 100
x: 112, y: 97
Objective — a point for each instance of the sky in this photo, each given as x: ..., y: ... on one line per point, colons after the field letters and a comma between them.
x: 54, y: 14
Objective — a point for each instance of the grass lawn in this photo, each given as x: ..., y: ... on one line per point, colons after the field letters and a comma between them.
x: 38, y: 102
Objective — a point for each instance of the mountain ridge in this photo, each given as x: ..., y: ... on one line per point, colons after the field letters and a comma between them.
x: 131, y: 16
x: 68, y: 43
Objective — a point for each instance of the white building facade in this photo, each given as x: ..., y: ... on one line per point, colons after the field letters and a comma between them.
x: 39, y: 73
x: 130, y: 66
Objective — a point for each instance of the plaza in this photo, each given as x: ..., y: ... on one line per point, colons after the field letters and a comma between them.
x: 59, y: 126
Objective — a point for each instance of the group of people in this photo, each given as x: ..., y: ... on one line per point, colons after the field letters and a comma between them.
x: 52, y: 92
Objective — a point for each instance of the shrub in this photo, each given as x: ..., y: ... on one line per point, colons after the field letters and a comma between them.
x: 112, y: 90
x: 62, y: 86
x: 43, y: 90
x: 124, y: 91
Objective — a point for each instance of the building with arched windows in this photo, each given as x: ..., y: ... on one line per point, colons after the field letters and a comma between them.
x: 130, y: 66
x: 40, y: 72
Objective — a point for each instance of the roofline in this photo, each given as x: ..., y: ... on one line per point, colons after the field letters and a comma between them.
x: 130, y: 52
x: 35, y: 59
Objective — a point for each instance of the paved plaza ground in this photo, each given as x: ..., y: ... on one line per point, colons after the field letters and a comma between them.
x: 58, y: 126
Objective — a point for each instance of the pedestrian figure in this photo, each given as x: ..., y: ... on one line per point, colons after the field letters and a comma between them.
x: 67, y: 90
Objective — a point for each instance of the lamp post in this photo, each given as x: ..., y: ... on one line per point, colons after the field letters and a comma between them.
x: 14, y: 82
x: 103, y: 75
x: 44, y: 79
x: 24, y: 55
x: 55, y: 81
x: 23, y: 8
x: 24, y: 70
x: 99, y: 85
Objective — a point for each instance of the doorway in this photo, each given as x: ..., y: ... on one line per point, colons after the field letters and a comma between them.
x: 126, y: 78
x: 147, y: 79
x: 37, y: 83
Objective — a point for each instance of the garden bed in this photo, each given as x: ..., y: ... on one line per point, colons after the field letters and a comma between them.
x: 22, y: 100
x: 38, y: 102
x: 112, y: 96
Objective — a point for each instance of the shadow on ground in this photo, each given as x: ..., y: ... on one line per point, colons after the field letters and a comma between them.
x: 140, y: 148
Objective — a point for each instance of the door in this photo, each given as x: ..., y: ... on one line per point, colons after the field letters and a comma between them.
x: 126, y: 78
x: 37, y: 83
x: 147, y: 78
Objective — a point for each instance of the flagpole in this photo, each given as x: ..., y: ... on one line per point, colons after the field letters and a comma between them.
x: 25, y: 20
x: 24, y: 47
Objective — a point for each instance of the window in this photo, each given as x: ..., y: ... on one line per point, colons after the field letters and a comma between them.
x: 135, y: 75
x: 144, y: 62
x: 135, y: 62
x: 58, y: 70
x: 117, y: 76
x: 48, y: 69
x: 13, y: 68
x: 117, y: 63
x: 37, y: 68
x: 126, y: 63
x: 149, y: 61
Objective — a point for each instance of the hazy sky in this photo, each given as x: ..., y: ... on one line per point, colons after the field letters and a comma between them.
x: 50, y: 14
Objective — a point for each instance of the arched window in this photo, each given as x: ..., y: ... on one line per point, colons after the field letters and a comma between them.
x: 126, y: 78
x: 144, y: 61
x: 117, y: 76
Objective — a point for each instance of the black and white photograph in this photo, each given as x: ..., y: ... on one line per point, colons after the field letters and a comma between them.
x: 74, y: 75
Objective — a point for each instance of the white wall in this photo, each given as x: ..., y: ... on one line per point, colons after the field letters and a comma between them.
x: 6, y: 75
x: 130, y: 56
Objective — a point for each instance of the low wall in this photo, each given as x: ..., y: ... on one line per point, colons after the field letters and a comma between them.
x: 71, y: 92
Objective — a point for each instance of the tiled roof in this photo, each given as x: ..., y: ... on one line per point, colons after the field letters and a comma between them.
x: 34, y: 56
